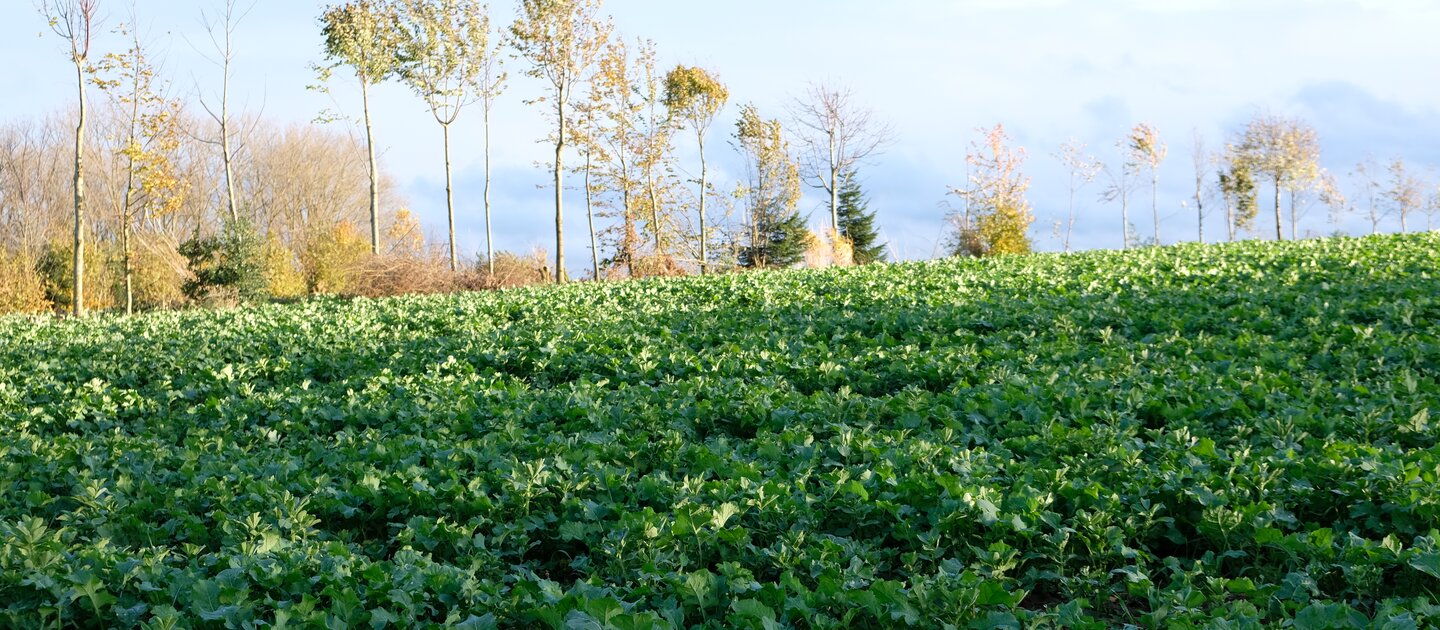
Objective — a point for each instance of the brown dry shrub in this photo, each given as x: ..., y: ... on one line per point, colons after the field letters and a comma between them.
x: 21, y: 289
x: 511, y: 270
x: 829, y: 249
x: 382, y: 276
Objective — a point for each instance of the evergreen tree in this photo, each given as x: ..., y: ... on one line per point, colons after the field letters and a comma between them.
x: 780, y: 240
x: 777, y: 236
x: 857, y: 223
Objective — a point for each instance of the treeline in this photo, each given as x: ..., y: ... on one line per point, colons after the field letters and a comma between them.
x: 143, y: 200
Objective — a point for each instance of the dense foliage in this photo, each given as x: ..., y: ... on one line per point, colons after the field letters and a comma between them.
x: 857, y: 222
x: 1232, y: 436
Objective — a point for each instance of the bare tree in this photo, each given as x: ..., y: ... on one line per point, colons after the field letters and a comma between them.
x: 1122, y: 183
x: 1146, y: 149
x: 221, y: 30
x: 1083, y: 170
x: 835, y: 135
x: 490, y: 83
x: 562, y: 39
x: 75, y: 22
x: 1366, y: 175
x: 1405, y: 194
x: 1203, y: 162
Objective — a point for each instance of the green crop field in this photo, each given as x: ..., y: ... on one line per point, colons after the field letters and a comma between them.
x: 1231, y: 436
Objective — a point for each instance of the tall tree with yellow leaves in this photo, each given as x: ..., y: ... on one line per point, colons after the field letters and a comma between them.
x: 442, y: 46
x: 363, y: 35
x: 151, y: 139
x: 562, y: 40
x: 694, y: 96
x: 998, y: 217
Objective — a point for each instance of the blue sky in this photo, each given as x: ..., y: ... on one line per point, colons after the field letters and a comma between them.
x: 1361, y: 72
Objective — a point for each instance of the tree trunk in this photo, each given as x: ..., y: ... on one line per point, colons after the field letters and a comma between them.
x: 560, y: 191
x: 225, y: 139
x: 1279, y: 235
x: 1124, y: 219
x: 450, y: 200
x: 1294, y: 220
x: 654, y: 213
x: 1155, y: 203
x: 704, y: 238
x: 834, y: 199
x: 374, y: 175
x: 489, y: 236
x: 590, y: 215
x: 78, y: 289
x: 126, y: 261
x: 1199, y: 216
x: 1070, y: 225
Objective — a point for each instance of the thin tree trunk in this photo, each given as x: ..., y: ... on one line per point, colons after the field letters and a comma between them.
x: 834, y: 199
x: 225, y: 136
x: 129, y: 268
x: 1295, y: 220
x: 1279, y: 235
x: 590, y: 215
x: 1070, y: 225
x: 654, y: 212
x: 450, y: 200
x: 1199, y: 216
x: 1124, y: 219
x: 78, y: 289
x: 125, y: 252
x: 1155, y: 203
x: 704, y: 238
x: 374, y: 174
x: 560, y: 191
x: 489, y: 236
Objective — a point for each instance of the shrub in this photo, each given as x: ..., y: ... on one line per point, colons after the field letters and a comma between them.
x: 226, y: 268
x: 21, y: 289
x: 330, y: 256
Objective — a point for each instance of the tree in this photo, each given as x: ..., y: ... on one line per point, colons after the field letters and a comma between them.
x: 1146, y: 150
x: 561, y: 39
x: 150, y: 138
x: 1366, y: 175
x: 694, y: 96
x: 1405, y: 195
x: 1237, y: 186
x: 491, y: 83
x: 857, y: 222
x: 614, y: 110
x: 836, y: 135
x: 1286, y: 150
x: 998, y: 216
x: 1122, y: 183
x: 74, y: 21
x: 776, y: 233
x: 442, y: 44
x: 1202, y: 161
x: 362, y: 34
x: 1083, y: 168
x: 222, y: 33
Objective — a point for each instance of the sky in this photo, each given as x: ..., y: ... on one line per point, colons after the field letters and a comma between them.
x: 1361, y: 72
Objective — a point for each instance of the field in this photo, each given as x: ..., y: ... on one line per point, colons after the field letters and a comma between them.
x: 1232, y: 436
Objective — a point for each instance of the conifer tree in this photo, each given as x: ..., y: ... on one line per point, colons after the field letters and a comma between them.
x: 777, y: 236
x: 857, y: 222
